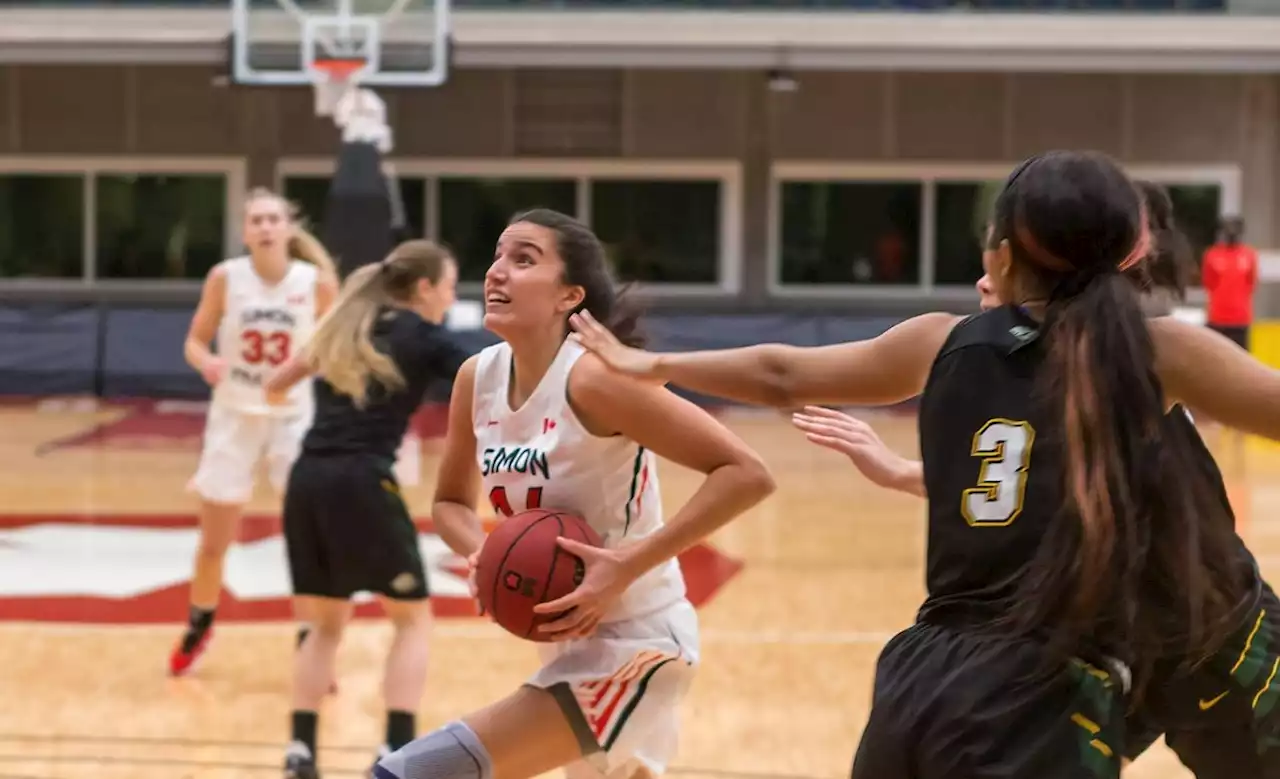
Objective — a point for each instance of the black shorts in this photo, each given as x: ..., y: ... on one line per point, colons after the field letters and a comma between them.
x: 348, y: 530
x: 1222, y: 719
x: 1237, y: 333
x: 952, y: 704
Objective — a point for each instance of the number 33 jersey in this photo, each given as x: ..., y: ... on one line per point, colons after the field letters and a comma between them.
x: 263, y: 325
x: 540, y: 456
x: 992, y: 467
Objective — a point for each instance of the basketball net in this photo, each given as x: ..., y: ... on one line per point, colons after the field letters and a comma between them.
x: 358, y: 112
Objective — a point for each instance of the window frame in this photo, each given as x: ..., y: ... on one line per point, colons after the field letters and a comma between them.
x: 235, y: 169
x: 583, y: 171
x: 1228, y: 177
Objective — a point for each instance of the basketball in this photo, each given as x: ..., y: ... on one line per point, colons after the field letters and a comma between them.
x: 521, y: 565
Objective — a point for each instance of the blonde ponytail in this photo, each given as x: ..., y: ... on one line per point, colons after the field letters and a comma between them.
x: 306, y: 247
x: 341, y: 350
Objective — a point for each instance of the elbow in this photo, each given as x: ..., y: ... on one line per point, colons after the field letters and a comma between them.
x: 757, y: 480
x: 779, y: 382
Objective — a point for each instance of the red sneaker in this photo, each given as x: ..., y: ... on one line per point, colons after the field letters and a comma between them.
x: 188, y: 651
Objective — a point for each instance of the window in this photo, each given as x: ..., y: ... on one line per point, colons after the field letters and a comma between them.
x: 41, y: 226
x: 659, y: 231
x: 962, y: 209
x: 308, y: 195
x: 159, y: 226
x: 1197, y: 209
x: 850, y: 232
x: 474, y: 212
x: 311, y: 194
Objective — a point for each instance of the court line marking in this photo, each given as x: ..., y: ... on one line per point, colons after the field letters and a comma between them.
x: 492, y: 632
x: 142, y: 761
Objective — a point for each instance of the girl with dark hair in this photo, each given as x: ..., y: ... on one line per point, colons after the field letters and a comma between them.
x: 1065, y: 521
x: 536, y: 422
x: 1203, y: 713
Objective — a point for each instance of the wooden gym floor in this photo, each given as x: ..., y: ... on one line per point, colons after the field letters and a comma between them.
x: 95, y: 545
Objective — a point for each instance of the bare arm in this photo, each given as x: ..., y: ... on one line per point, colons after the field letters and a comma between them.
x: 204, y: 323
x: 1206, y: 371
x: 283, y: 378
x: 911, y: 479
x: 672, y: 427
x: 857, y: 440
x: 458, y: 480
x: 299, y: 365
x: 887, y: 369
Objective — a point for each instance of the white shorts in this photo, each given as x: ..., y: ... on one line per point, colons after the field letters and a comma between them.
x: 624, y: 688
x: 234, y: 444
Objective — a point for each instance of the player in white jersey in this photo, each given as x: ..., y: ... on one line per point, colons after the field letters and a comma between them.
x: 535, y: 421
x: 261, y: 308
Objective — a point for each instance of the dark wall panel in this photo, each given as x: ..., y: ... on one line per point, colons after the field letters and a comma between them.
x: 73, y: 109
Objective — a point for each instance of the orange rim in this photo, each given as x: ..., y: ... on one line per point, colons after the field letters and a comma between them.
x: 339, y: 70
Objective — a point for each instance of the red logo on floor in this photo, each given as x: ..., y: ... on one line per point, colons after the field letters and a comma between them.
x: 134, y: 569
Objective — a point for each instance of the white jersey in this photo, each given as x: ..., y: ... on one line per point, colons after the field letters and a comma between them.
x: 263, y: 325
x: 541, y: 456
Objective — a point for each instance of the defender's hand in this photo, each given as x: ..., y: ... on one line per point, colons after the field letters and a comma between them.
x: 603, y: 344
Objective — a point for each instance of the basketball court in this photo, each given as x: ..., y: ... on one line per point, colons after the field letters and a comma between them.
x: 96, y: 536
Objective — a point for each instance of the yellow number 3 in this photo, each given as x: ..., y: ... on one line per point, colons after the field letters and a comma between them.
x: 1005, y: 449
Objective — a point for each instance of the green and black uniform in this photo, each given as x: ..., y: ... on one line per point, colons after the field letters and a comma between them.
x: 955, y: 695
x: 1221, y: 718
x: 346, y: 526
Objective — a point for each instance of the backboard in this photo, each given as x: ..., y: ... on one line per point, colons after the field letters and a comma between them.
x: 393, y: 43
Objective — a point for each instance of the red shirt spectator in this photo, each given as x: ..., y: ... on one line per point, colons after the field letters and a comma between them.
x: 1230, y: 276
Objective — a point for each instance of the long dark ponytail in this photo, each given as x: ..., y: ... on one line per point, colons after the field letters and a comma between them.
x: 1141, y: 568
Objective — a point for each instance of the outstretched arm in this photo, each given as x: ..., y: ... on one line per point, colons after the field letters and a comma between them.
x: 889, y: 368
x: 1206, y: 371
x: 856, y: 440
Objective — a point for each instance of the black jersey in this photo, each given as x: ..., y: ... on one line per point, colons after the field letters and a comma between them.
x: 424, y: 352
x: 1180, y: 430
x: 993, y: 478
x: 993, y: 466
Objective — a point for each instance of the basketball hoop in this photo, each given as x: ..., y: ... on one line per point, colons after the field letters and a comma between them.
x: 336, y: 77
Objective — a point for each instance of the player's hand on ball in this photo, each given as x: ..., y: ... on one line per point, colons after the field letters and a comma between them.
x: 603, y: 344
x: 856, y: 440
x: 605, y: 580
x: 473, y: 560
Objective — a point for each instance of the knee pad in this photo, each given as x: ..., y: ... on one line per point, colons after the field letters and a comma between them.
x: 452, y: 752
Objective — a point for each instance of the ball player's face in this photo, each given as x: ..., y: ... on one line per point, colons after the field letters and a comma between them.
x: 987, y: 293
x: 524, y: 289
x: 266, y: 224
x: 433, y: 301
x: 997, y: 266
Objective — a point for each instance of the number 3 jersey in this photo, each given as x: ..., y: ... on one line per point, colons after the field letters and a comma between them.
x: 540, y: 456
x: 263, y: 325
x: 992, y: 468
